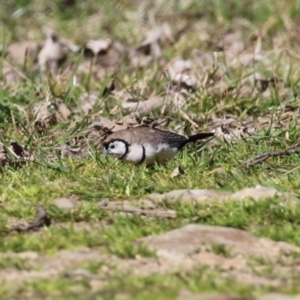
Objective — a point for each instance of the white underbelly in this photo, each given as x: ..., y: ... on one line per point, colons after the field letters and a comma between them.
x: 150, y: 155
x: 159, y: 154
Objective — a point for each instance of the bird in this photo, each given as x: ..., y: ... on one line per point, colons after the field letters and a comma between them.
x: 145, y: 145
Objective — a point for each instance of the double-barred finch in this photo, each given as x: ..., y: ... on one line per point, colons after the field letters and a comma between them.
x: 144, y: 145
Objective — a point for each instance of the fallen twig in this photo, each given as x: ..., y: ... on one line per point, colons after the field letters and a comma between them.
x: 42, y: 219
x: 187, y: 118
x: 264, y: 156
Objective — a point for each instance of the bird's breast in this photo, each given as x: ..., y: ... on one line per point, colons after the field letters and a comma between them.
x: 136, y: 154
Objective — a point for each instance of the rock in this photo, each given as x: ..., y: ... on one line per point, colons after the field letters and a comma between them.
x: 187, y: 295
x: 143, y: 207
x: 187, y: 196
x: 78, y: 273
x: 275, y: 296
x: 103, y: 202
x: 202, y: 195
x: 146, y: 204
x: 192, y: 238
x: 257, y: 193
x: 65, y: 203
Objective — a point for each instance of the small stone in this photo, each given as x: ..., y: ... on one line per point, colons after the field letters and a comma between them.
x: 78, y: 272
x: 147, y: 204
x: 103, y: 202
x: 65, y: 203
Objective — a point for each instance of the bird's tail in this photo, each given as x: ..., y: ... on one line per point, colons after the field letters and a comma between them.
x: 199, y: 136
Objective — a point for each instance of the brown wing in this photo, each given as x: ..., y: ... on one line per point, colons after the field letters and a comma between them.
x: 141, y: 135
x: 144, y: 135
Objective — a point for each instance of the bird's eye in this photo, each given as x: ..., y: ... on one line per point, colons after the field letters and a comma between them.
x: 112, y: 147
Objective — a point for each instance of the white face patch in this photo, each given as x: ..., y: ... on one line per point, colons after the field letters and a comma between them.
x: 117, y: 149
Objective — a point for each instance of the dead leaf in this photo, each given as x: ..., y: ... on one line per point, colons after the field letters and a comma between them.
x: 63, y: 112
x: 73, y: 152
x: 49, y: 112
x: 179, y: 66
x: 183, y: 83
x: 230, y: 130
x: 43, y: 117
x: 12, y: 76
x: 233, y: 44
x: 88, y: 100
x: 104, y: 124
x: 148, y: 50
x: 177, y: 172
x: 100, y: 129
x: 144, y: 106
x: 54, y: 51
x: 104, y: 52
x: 24, y: 52
x: 134, y: 120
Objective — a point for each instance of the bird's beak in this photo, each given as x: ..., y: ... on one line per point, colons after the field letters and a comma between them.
x: 105, y: 152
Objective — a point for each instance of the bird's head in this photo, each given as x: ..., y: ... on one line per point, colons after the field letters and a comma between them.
x: 117, y: 148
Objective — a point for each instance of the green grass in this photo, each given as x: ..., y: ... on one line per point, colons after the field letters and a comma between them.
x: 198, y: 281
x: 95, y: 177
